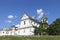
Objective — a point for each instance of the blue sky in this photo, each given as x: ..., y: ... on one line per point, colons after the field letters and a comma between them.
x: 12, y: 10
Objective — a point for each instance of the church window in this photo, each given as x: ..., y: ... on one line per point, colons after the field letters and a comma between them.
x: 16, y: 28
x: 24, y: 22
x: 3, y: 32
x: 7, y: 32
x: 34, y: 22
x: 11, y: 32
x: 31, y: 21
x: 18, y: 31
x: 24, y: 30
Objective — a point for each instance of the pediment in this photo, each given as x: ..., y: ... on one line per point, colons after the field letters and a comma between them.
x: 25, y: 16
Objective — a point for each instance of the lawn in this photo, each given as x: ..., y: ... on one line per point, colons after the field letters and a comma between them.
x: 29, y: 38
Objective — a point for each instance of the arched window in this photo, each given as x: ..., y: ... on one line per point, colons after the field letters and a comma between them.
x: 24, y: 30
x: 24, y: 23
x: 7, y: 32
x: 3, y: 32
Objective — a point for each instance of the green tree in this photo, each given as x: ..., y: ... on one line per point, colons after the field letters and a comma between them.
x: 54, y: 28
x: 43, y: 25
x: 41, y: 30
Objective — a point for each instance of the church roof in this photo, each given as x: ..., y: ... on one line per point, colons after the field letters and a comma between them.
x: 28, y: 17
x: 5, y: 29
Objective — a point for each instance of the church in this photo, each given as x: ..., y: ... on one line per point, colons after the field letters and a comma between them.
x: 26, y: 27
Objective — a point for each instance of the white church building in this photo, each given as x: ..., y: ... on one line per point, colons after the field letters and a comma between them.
x: 26, y: 27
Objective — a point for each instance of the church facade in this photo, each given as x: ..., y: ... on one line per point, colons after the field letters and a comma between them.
x: 26, y: 27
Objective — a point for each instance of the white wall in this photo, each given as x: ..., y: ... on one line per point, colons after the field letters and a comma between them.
x: 26, y: 31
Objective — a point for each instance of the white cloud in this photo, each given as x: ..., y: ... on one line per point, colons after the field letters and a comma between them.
x: 8, y: 21
x: 10, y: 16
x: 40, y: 13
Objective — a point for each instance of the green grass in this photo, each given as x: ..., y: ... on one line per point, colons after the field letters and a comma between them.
x: 29, y: 38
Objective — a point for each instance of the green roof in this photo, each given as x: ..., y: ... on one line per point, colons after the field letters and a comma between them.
x: 5, y: 29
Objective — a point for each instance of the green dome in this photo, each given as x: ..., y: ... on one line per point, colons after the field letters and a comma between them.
x: 5, y: 29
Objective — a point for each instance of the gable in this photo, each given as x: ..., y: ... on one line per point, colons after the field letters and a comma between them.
x: 25, y: 16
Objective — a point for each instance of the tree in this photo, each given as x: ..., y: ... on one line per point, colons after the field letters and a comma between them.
x: 43, y: 25
x: 36, y: 31
x: 41, y: 30
x: 54, y: 28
